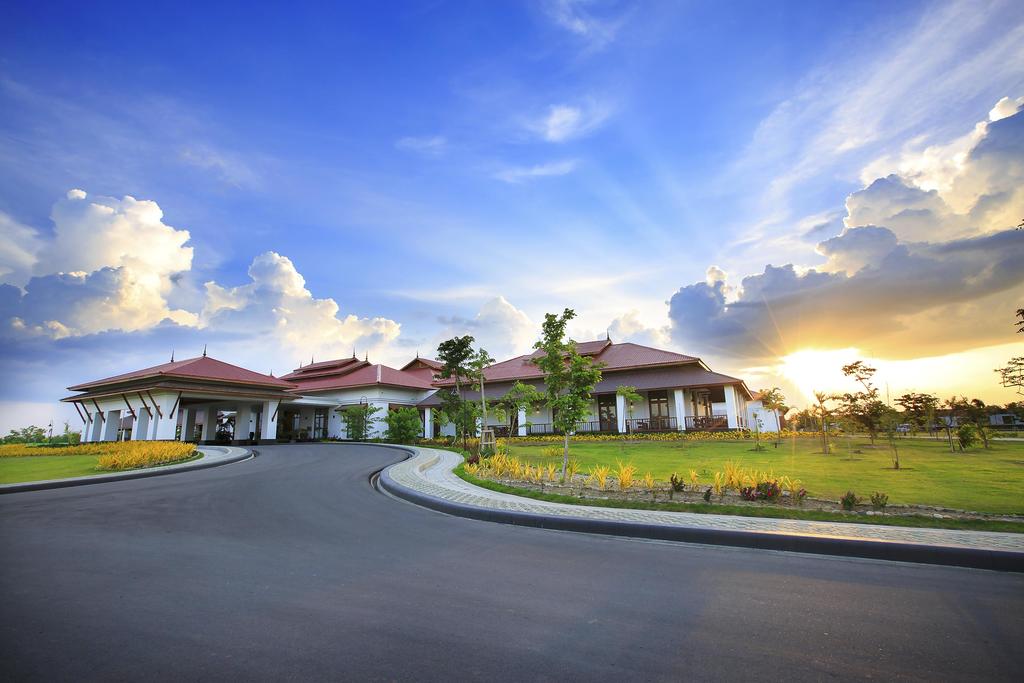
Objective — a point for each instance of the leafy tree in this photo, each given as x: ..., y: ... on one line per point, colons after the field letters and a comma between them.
x: 30, y: 434
x: 480, y: 360
x: 569, y: 378
x: 918, y: 409
x: 630, y: 397
x: 956, y: 409
x: 1012, y: 374
x: 403, y: 425
x: 976, y: 412
x: 773, y: 400
x: 359, y: 420
x: 822, y: 411
x: 456, y: 357
x: 863, y: 407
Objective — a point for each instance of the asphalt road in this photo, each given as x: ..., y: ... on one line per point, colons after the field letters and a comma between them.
x: 290, y: 566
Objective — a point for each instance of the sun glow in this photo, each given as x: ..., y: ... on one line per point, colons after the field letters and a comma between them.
x: 970, y: 373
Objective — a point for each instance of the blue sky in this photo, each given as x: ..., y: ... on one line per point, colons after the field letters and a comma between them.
x: 438, y: 168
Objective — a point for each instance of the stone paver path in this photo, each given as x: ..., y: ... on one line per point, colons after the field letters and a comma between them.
x: 430, y: 472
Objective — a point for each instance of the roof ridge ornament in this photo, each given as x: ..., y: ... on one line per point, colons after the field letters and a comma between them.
x: 204, y: 350
x: 172, y: 355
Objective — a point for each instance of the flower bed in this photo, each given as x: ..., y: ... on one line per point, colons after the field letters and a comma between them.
x: 112, y: 455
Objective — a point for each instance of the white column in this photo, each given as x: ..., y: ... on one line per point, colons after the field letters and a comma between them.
x: 86, y: 427
x: 140, y: 430
x: 111, y: 425
x: 243, y: 422
x: 165, y: 425
x: 209, y: 423
x: 620, y: 413
x: 731, y: 406
x: 188, y: 425
x: 680, y: 401
x: 428, y: 423
x: 269, y: 426
x: 521, y: 423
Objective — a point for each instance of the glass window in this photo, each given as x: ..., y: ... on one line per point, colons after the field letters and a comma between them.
x: 657, y: 402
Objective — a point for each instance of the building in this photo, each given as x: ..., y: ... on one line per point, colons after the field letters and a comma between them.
x: 192, y: 399
x: 759, y: 417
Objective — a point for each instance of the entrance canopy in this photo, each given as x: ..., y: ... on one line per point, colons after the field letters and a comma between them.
x: 160, y: 397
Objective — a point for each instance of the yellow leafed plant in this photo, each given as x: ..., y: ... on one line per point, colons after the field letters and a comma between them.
x: 599, y: 476
x: 648, y: 481
x: 126, y: 455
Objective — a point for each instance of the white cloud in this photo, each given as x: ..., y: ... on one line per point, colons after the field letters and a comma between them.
x: 519, y: 174
x: 498, y: 326
x: 433, y: 145
x: 630, y: 328
x: 564, y: 122
x: 110, y: 264
x: 575, y: 16
x: 19, y: 246
x: 228, y: 168
x: 276, y: 307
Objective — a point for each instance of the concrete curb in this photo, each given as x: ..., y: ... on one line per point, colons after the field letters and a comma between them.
x: 998, y: 560
x: 200, y: 464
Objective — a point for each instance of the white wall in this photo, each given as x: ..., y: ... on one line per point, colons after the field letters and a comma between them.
x: 767, y: 417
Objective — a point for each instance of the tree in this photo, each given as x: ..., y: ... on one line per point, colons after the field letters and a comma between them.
x: 456, y: 357
x: 403, y: 425
x: 863, y: 407
x: 569, y: 378
x: 520, y: 397
x: 630, y: 396
x: 955, y: 409
x: 976, y: 411
x: 918, y: 409
x: 480, y: 360
x: 30, y: 434
x: 1012, y: 374
x: 823, y: 412
x: 359, y: 420
x: 773, y: 400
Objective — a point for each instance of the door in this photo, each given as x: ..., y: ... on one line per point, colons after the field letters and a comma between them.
x: 607, y: 415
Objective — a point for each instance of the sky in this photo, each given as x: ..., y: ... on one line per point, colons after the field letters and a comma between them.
x: 777, y: 188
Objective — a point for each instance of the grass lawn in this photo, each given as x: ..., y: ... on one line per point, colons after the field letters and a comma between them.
x: 40, y: 467
x: 979, y: 480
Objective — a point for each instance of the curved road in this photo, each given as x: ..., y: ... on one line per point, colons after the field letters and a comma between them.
x: 290, y: 566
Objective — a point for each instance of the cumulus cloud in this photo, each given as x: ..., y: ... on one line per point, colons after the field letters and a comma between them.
x: 630, y: 328
x: 972, y: 184
x: 110, y: 264
x: 928, y: 262
x: 498, y: 326
x: 519, y: 174
x: 276, y: 305
x: 114, y: 265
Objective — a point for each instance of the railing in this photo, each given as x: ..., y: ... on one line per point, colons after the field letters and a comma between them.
x: 707, y: 423
x: 587, y: 427
x: 651, y: 424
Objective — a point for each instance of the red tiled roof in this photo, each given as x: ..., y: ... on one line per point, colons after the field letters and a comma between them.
x: 614, y: 356
x: 324, y: 369
x: 429, y: 362
x: 366, y: 375
x: 203, y: 367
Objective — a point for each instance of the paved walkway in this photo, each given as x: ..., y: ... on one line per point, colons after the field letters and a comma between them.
x: 429, y: 472
x: 211, y: 457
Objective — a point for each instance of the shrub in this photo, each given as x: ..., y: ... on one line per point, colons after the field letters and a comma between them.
x: 599, y: 476
x: 768, y: 490
x: 624, y: 472
x: 552, y: 452
x: 719, y: 484
x: 748, y: 493
x: 800, y: 495
x: 693, y: 479
x: 572, y: 467
x: 707, y: 495
x: 648, y: 481
x: 968, y: 435
x: 473, y: 459
x: 849, y: 500
x: 677, y: 482
x: 879, y: 500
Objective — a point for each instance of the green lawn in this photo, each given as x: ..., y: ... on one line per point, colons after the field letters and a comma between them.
x: 980, y: 480
x: 40, y: 467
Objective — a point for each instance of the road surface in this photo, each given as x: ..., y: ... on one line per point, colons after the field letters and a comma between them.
x: 291, y: 566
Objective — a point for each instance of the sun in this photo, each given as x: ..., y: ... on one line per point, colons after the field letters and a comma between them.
x: 813, y: 370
